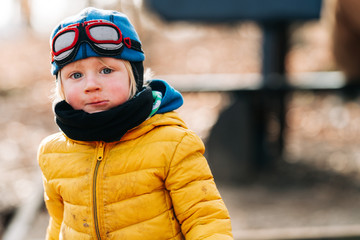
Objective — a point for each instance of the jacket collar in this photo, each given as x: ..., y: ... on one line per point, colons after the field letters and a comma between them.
x: 158, y: 120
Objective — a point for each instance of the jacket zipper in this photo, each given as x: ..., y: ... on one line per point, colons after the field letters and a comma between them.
x: 99, y: 158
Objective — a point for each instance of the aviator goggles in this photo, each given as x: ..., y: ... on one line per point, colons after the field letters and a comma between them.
x: 104, y: 37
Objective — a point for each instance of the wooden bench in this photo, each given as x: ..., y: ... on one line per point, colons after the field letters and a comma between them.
x: 239, y: 142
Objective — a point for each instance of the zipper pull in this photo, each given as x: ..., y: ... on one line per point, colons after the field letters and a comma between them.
x: 100, y: 153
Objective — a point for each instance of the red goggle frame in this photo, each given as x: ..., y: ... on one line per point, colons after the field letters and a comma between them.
x: 104, y: 37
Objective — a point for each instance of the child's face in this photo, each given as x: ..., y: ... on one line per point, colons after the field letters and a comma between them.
x: 95, y: 84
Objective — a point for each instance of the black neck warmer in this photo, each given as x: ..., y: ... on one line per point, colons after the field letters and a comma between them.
x: 108, y: 125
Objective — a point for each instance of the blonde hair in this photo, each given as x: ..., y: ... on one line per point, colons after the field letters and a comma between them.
x: 132, y: 79
x: 59, y: 90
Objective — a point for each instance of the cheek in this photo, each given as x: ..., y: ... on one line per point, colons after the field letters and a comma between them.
x: 121, y: 93
x: 72, y: 96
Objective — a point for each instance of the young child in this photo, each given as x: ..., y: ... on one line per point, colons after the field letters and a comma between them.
x: 124, y: 165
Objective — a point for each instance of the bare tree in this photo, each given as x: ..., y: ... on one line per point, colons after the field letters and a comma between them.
x: 25, y: 12
x: 118, y: 5
x: 90, y: 3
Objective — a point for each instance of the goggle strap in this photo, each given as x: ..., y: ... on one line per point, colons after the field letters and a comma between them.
x: 132, y: 44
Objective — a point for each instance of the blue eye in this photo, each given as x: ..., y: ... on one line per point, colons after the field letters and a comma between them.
x: 77, y: 75
x: 106, y: 71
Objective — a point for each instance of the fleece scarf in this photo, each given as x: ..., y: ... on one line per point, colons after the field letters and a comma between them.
x: 107, y: 126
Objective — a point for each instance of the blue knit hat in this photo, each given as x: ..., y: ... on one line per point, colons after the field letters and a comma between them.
x: 85, y: 50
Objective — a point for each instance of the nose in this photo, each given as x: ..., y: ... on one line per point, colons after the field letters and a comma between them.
x: 92, y: 84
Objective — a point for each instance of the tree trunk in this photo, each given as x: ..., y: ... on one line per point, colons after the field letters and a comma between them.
x: 26, y: 13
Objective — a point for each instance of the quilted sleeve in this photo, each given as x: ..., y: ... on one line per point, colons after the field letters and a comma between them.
x: 197, y: 203
x: 55, y: 208
x: 53, y: 201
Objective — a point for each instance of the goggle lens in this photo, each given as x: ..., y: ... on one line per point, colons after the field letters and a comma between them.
x: 104, y: 34
x: 64, y: 41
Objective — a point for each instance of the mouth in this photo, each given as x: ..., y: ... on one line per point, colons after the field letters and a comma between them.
x: 98, y: 103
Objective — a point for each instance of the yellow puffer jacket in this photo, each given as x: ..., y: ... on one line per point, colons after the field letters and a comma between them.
x: 153, y: 184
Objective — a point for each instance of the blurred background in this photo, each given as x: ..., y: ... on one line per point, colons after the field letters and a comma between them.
x: 282, y: 143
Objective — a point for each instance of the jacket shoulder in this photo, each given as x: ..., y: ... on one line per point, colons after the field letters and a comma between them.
x: 170, y: 127
x: 48, y: 143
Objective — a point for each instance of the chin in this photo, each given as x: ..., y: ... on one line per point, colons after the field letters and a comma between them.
x: 95, y: 111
